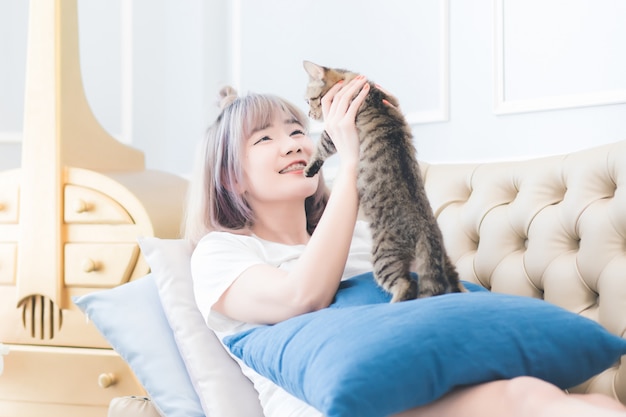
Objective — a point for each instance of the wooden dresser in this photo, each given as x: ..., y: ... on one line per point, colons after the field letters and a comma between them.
x: 69, y: 222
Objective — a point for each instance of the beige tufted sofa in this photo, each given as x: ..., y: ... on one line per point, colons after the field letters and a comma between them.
x: 552, y: 228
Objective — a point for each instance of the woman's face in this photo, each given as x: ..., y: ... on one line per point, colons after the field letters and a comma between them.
x: 274, y: 158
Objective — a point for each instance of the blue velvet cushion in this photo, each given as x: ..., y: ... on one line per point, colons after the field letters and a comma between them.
x: 371, y: 360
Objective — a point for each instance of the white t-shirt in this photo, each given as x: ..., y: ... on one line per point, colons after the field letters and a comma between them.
x: 221, y: 257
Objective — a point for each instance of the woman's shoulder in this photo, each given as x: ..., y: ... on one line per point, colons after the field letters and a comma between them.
x: 218, y: 237
x: 218, y: 244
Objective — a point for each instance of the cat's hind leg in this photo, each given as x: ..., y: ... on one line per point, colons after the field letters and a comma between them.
x: 431, y: 284
x: 392, y: 273
x: 430, y: 268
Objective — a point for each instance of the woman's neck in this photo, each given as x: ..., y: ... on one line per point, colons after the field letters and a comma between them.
x: 282, y: 224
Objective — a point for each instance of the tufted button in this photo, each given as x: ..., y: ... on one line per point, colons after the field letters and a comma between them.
x: 564, y: 193
x: 612, y: 191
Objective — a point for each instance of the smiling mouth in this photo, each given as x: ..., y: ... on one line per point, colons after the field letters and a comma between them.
x: 297, y: 166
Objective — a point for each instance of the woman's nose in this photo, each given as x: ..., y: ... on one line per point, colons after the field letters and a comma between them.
x: 292, y: 146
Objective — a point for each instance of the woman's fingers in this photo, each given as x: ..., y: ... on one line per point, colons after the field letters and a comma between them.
x: 350, y: 91
x: 330, y: 95
x: 340, y: 117
x: 357, y: 101
x: 340, y: 97
x: 394, y: 101
x: 383, y: 90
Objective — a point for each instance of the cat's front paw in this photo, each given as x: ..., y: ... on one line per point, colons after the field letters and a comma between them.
x: 312, y: 168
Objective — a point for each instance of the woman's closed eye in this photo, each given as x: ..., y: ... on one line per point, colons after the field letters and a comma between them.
x: 263, y: 139
x: 294, y: 134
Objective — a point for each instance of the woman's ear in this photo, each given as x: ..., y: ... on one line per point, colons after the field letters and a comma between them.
x: 233, y: 185
x: 239, y: 188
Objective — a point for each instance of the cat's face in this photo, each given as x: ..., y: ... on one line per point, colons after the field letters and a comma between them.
x: 321, y: 79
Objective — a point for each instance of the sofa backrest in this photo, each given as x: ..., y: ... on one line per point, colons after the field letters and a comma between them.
x: 552, y: 228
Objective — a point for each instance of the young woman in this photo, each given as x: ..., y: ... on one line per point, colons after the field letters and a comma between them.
x: 272, y: 244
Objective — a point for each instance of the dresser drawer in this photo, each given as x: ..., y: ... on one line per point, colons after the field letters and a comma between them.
x: 99, y: 264
x: 86, y: 205
x: 8, y: 260
x: 39, y: 374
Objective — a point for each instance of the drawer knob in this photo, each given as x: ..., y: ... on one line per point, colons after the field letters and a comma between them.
x: 81, y: 206
x: 106, y: 379
x: 89, y: 265
x: 1, y: 206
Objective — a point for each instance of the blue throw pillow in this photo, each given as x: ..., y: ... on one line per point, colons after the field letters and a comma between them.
x: 131, y: 319
x: 371, y: 360
x: 362, y: 289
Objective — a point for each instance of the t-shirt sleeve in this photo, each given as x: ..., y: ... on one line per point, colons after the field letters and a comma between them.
x: 217, y: 261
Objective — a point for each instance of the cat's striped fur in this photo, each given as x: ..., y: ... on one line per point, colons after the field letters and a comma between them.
x: 405, y: 233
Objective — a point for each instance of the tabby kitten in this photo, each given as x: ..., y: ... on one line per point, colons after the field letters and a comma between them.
x: 405, y: 233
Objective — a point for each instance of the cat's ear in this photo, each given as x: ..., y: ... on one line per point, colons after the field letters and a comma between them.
x: 316, y: 72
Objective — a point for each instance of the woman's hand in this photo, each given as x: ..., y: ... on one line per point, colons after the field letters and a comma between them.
x: 392, y: 102
x: 340, y: 106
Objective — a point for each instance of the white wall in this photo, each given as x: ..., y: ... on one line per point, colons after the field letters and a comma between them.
x: 478, y: 80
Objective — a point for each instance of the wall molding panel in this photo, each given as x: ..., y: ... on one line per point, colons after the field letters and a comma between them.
x: 442, y: 112
x: 544, y: 58
x: 248, y: 49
